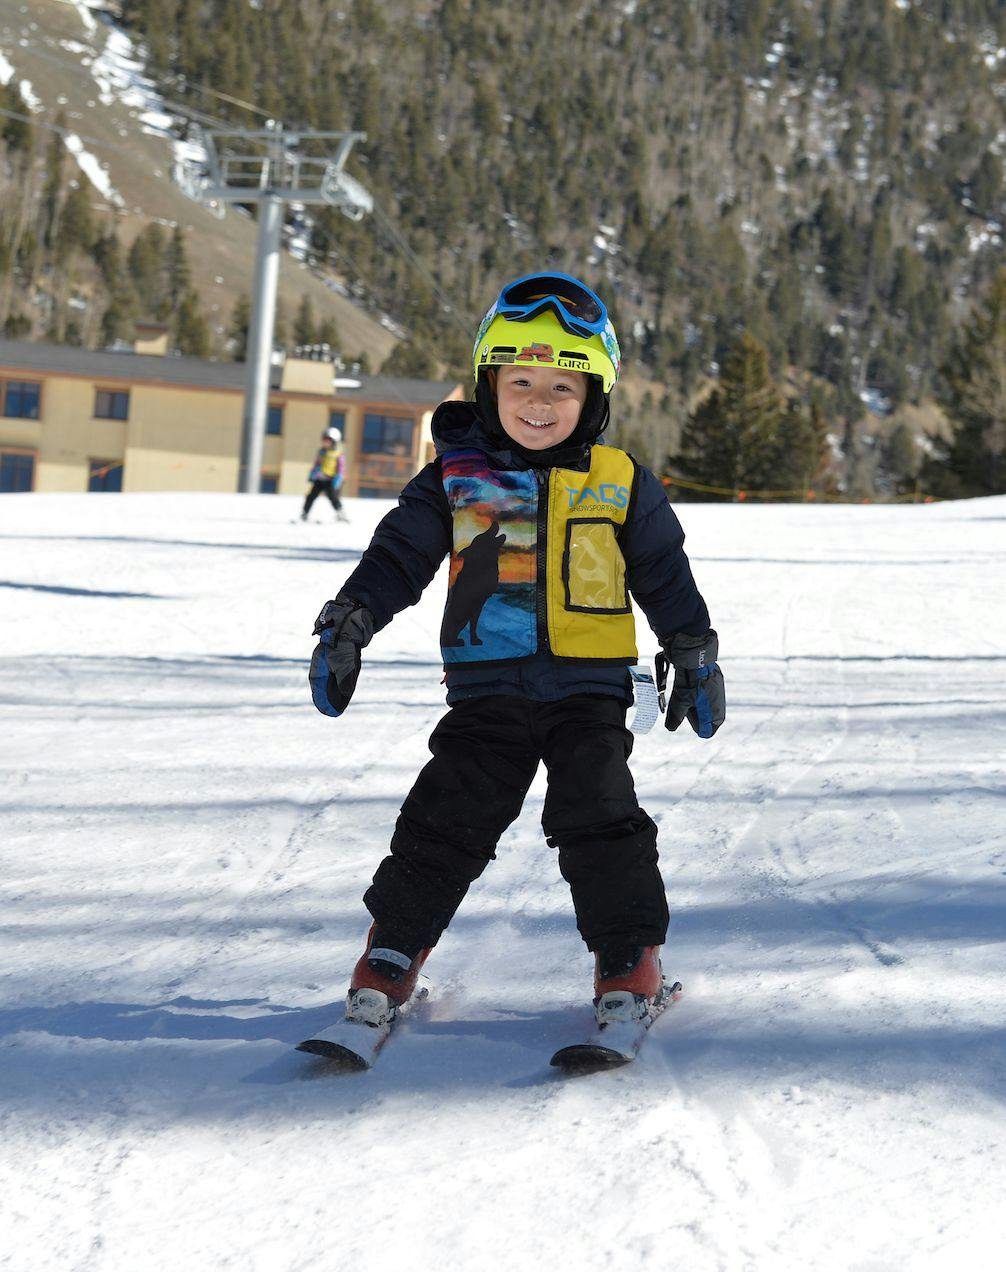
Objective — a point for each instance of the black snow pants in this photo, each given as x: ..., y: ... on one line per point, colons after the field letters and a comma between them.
x: 485, y: 753
x: 323, y: 487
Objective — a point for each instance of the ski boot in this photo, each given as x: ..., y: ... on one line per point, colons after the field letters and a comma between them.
x: 628, y: 983
x: 383, y: 980
x: 630, y: 993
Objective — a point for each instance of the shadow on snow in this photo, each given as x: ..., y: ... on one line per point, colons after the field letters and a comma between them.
x: 506, y: 1050
x: 278, y: 551
x: 55, y: 590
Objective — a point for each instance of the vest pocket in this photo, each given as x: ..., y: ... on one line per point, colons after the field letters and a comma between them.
x: 593, y: 568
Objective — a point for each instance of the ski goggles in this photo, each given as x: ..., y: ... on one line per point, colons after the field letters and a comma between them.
x: 581, y: 311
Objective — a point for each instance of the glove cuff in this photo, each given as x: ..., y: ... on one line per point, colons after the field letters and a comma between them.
x: 692, y: 653
x: 342, y: 612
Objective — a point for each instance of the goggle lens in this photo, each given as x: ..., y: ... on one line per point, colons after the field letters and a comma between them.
x: 577, y: 301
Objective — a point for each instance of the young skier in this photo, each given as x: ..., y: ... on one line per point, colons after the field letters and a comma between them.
x: 327, y: 474
x: 549, y: 533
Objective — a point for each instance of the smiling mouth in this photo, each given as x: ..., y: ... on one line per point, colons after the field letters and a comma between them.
x: 536, y: 423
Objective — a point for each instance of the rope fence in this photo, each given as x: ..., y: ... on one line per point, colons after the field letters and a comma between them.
x: 808, y: 495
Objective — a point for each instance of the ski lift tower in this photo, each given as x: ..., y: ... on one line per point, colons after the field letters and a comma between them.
x: 265, y: 167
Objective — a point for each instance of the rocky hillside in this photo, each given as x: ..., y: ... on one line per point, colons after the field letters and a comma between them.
x: 73, y: 204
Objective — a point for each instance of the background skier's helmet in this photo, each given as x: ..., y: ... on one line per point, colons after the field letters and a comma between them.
x: 335, y: 434
x: 552, y: 320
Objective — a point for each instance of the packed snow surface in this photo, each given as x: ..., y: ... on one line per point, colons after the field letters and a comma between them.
x: 186, y: 841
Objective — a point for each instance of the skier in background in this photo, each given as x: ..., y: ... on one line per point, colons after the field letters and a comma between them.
x: 327, y: 474
x: 549, y: 533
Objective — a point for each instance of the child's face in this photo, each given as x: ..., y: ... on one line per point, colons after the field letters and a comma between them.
x: 539, y: 406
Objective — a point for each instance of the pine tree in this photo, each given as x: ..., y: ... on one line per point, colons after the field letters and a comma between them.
x: 800, y: 453
x: 17, y: 326
x: 148, y: 267
x: 305, y: 330
x: 52, y: 192
x: 974, y: 396
x: 240, y: 323
x: 76, y: 225
x: 328, y: 334
x: 410, y: 359
x: 986, y: 184
x: 842, y: 249
x: 192, y: 333
x: 116, y: 324
x: 901, y: 459
x: 179, y: 274
x: 281, y: 327
x: 731, y: 440
x: 15, y: 133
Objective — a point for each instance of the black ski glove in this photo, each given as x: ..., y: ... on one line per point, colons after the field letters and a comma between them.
x: 698, y: 691
x: 344, y: 627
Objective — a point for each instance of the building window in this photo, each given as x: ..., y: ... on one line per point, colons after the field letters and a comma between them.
x: 268, y: 484
x: 21, y: 399
x: 337, y: 419
x: 17, y: 473
x: 111, y: 405
x: 105, y: 476
x: 387, y: 435
x: 274, y: 421
x: 374, y: 492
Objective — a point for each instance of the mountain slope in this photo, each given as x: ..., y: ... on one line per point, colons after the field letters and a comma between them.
x: 63, y: 51
x: 827, y: 174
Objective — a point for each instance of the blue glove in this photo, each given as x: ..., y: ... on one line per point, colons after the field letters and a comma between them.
x: 344, y: 627
x: 698, y: 691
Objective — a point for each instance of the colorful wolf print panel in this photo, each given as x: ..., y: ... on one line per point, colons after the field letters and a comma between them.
x: 490, y: 614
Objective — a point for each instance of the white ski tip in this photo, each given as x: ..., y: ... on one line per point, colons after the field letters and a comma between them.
x: 352, y: 1044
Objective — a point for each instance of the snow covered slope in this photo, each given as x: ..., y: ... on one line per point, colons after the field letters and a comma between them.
x: 185, y: 842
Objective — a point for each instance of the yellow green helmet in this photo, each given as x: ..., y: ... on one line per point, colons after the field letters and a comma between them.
x: 549, y: 320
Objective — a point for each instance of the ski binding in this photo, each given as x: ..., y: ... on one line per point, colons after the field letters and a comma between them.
x: 623, y: 1020
x: 354, y: 1043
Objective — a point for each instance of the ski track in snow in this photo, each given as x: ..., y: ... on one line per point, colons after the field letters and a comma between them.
x: 186, y: 842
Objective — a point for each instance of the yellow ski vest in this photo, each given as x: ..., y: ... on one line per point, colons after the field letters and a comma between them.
x: 328, y: 461
x: 589, y: 610
x: 536, y: 563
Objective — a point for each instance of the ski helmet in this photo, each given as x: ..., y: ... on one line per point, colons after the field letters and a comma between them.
x: 335, y: 434
x: 549, y: 319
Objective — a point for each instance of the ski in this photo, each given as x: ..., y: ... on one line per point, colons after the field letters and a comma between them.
x: 617, y: 1040
x: 353, y: 1045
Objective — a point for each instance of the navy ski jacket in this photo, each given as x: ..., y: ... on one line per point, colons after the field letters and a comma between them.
x: 411, y: 542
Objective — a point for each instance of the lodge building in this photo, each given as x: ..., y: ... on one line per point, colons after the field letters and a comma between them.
x: 143, y: 420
